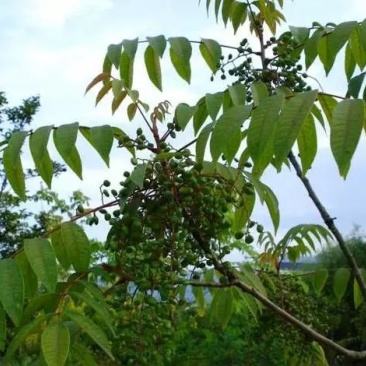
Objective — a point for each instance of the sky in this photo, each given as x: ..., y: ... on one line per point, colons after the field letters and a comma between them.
x: 55, y: 48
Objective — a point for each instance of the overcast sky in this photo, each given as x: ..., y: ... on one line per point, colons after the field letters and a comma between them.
x: 54, y: 48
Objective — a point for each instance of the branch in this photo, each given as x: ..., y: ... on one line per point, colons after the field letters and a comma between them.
x: 329, y: 221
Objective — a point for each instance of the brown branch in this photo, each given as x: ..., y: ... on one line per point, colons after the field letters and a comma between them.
x: 329, y: 221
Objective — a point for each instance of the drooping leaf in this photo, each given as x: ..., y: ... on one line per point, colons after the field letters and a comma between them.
x: 104, y: 76
x: 60, y: 249
x: 229, y: 150
x: 83, y: 354
x: 91, y: 329
x: 259, y: 92
x: 200, y: 299
x: 29, y: 277
x: 103, y: 92
x: 101, y: 138
x: 301, y: 34
x: 243, y: 212
x: 354, y: 85
x: 114, y: 54
x: 43, y: 261
x: 183, y: 114
x: 238, y: 15
x: 226, y: 9
x: 13, y: 165
x: 238, y: 94
x: 11, y: 289
x: 348, y: 117
x: 138, y: 175
x: 158, y: 44
x: 328, y: 103
x: 340, y: 282
x: 290, y: 121
x: 64, y: 138
x: 152, y: 63
x: 319, y: 279
x: 262, y: 125
x: 227, y: 125
x: 311, y: 48
x: 44, y: 302
x: 131, y: 111
x: 211, y: 53
x: 349, y: 62
x: 55, y: 344
x: 307, y: 143
x: 117, y: 100
x: 77, y: 246
x: 180, y: 55
x: 202, y: 142
x: 200, y: 115
x: 126, y: 62
x: 38, y: 146
x: 213, y: 104
x: 356, y: 45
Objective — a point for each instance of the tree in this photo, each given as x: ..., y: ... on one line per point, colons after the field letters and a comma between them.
x: 176, y: 215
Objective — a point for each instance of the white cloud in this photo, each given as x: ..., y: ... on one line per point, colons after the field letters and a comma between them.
x: 54, y: 14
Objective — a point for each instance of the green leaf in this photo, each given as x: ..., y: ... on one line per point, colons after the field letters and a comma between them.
x: 319, y: 280
x: 211, y: 53
x: 226, y: 9
x: 114, y: 54
x: 222, y: 307
x: 362, y: 34
x: 43, y: 261
x: 55, y: 344
x: 127, y: 61
x: 202, y: 142
x: 38, y: 146
x: 107, y: 66
x: 45, y: 302
x: 357, y: 294
x: 226, y: 127
x: 341, y: 279
x: 180, y: 55
x: 158, y: 44
x: 77, y: 246
x: 101, y: 138
x: 354, y: 85
x: 29, y: 277
x: 311, y: 48
x: 328, y: 103
x: 356, y: 45
x: 90, y: 328
x: 11, y: 289
x: 272, y: 204
x: 238, y: 15
x: 346, y: 128
x: 117, y: 100
x: 316, y: 112
x: 301, y: 34
x: 152, y: 63
x: 138, y: 175
x: 230, y: 150
x: 262, y: 126
x: 200, y: 115
x: 243, y: 212
x: 330, y: 45
x: 83, y: 354
x: 200, y: 299
x: 213, y: 104
x: 131, y: 111
x: 238, y: 94
x: 349, y: 62
x: 2, y: 329
x: 259, y: 92
x: 290, y: 121
x: 183, y: 114
x: 98, y: 306
x: 22, y: 335
x: 60, y: 249
x: 64, y: 138
x: 307, y: 143
x: 13, y: 165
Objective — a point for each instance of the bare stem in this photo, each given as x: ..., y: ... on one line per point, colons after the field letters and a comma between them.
x: 329, y: 221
